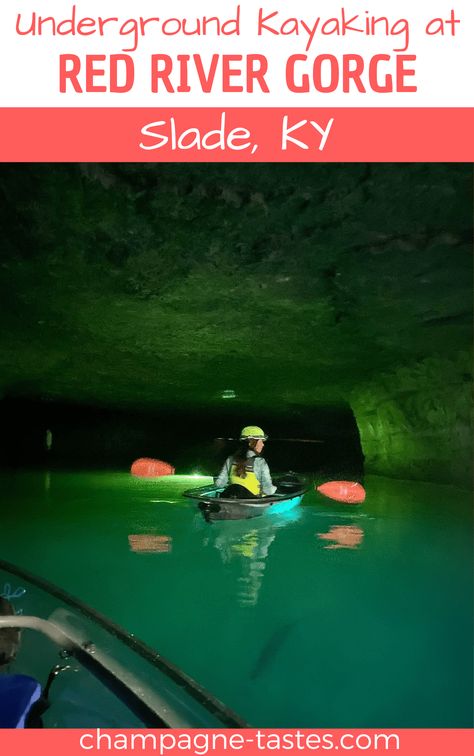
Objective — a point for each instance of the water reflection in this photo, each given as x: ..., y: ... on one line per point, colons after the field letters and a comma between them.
x: 47, y: 482
x: 247, y: 543
x: 150, y: 543
x: 342, y: 537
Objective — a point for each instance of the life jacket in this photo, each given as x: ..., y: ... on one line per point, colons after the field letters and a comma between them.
x: 250, y: 481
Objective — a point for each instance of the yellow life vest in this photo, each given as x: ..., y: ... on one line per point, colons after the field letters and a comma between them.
x: 250, y: 480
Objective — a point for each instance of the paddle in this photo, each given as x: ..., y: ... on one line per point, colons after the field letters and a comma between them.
x: 347, y: 491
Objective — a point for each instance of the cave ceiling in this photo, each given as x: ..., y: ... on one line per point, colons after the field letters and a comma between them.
x: 197, y: 285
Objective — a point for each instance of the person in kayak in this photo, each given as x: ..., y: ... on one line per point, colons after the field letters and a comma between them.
x: 246, y: 473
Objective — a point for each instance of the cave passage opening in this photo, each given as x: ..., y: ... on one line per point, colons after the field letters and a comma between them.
x: 322, y: 440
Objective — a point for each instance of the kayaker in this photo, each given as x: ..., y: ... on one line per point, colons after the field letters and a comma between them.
x: 246, y: 473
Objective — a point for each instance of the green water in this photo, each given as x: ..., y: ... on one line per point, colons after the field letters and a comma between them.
x: 330, y: 616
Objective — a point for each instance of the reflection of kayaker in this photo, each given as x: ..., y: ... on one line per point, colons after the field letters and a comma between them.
x: 248, y: 548
x: 246, y: 473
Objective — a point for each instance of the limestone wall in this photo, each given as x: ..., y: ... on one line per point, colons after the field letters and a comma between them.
x: 416, y: 421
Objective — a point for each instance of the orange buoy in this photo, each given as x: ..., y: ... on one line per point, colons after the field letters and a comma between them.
x: 145, y: 467
x: 343, y: 490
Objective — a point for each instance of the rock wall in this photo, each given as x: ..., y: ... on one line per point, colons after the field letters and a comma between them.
x: 416, y: 422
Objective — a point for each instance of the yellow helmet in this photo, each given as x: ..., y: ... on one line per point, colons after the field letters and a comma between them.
x: 252, y: 431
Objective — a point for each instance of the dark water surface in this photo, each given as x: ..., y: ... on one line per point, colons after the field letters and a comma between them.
x: 330, y: 616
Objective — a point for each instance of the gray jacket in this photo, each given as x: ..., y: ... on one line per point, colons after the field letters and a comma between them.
x: 260, y: 468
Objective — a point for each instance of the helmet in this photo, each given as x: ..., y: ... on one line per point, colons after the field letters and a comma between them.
x: 252, y: 431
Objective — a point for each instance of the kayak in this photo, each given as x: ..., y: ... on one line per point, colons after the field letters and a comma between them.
x: 216, y: 506
x: 107, y: 676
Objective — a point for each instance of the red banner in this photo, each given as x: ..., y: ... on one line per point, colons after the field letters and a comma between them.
x: 237, y: 135
x: 246, y: 742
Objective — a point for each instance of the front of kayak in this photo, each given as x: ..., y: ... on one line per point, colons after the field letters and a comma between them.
x: 63, y: 664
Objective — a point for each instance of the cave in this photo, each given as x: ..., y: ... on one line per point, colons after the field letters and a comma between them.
x: 154, y: 311
x: 156, y: 308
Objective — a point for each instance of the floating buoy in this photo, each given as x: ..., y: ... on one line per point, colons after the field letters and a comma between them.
x: 145, y: 467
x: 343, y: 490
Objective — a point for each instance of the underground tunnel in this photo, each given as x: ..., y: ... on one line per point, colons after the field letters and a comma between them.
x: 164, y: 311
x: 177, y: 295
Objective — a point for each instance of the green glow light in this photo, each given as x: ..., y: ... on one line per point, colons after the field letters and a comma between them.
x: 190, y: 476
x: 228, y: 394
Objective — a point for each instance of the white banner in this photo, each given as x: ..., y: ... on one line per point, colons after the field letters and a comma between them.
x: 220, y: 53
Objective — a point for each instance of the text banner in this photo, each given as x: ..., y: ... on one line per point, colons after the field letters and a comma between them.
x: 246, y: 742
x: 237, y: 135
